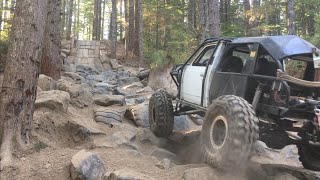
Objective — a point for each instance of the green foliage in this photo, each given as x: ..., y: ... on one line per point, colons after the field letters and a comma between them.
x: 166, y: 37
x: 39, y: 145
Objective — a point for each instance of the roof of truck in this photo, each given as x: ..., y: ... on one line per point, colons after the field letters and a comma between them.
x: 280, y: 46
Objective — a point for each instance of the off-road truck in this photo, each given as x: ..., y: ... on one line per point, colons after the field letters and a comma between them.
x: 247, y: 89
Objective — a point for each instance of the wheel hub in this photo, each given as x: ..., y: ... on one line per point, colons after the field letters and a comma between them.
x: 218, y: 132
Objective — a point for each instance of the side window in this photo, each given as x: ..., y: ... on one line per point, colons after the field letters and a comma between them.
x: 265, y: 64
x: 235, y: 58
x: 205, y: 56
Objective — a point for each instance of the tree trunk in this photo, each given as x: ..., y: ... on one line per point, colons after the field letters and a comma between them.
x: 214, y: 18
x: 226, y: 9
x: 96, y: 20
x: 114, y: 29
x: 191, y: 14
x: 63, y: 12
x: 311, y: 21
x: 157, y: 25
x: 78, y: 20
x: 1, y: 11
x: 51, y: 62
x: 13, y: 4
x: 254, y: 23
x: 70, y: 14
x: 121, y: 22
x: 246, y: 12
x: 203, y: 8
x: 291, y: 17
x: 19, y: 86
x: 5, y: 14
x: 221, y: 10
x: 126, y: 25
x: 110, y: 27
x: 138, y: 30
x: 131, y: 26
x: 102, y: 19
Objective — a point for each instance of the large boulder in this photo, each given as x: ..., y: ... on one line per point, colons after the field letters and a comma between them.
x: 74, y: 76
x: 87, y: 166
x: 46, y: 83
x: 164, y: 164
x: 54, y: 100
x: 285, y: 176
x: 80, y: 95
x: 204, y: 173
x: 115, y: 64
x: 109, y: 100
x: 103, y: 88
x: 143, y: 74
x: 124, y: 138
x: 126, y: 174
x: 162, y: 154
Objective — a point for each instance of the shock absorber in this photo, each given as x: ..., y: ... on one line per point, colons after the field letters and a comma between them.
x: 257, y: 96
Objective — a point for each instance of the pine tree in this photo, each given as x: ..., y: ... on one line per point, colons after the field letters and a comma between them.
x: 19, y: 86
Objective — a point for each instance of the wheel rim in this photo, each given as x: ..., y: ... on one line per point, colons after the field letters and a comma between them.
x: 218, y: 132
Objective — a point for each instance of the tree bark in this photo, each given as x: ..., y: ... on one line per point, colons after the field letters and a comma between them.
x: 157, y: 25
x: 1, y: 11
x: 102, y: 19
x: 63, y: 13
x: 13, y: 4
x: 214, y: 18
x: 191, y: 15
x: 114, y: 29
x: 311, y: 21
x: 291, y: 17
x: 246, y: 11
x: 138, y: 50
x: 70, y: 14
x: 97, y: 20
x: 51, y: 62
x: 203, y: 8
x: 126, y: 25
x: 121, y: 22
x: 254, y: 23
x: 131, y: 26
x: 19, y: 86
x: 78, y: 20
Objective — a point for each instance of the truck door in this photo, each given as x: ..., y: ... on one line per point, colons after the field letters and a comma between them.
x: 193, y: 74
x: 231, y: 76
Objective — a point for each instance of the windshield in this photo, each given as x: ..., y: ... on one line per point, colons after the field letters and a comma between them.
x: 295, y: 68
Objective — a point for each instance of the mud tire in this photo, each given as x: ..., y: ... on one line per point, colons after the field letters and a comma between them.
x: 309, y: 156
x: 234, y: 147
x: 161, y: 119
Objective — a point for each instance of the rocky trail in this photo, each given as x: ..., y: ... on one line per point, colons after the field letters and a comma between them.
x: 93, y: 124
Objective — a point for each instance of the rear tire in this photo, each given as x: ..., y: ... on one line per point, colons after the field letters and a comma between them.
x: 229, y: 132
x: 161, y: 119
x: 309, y: 156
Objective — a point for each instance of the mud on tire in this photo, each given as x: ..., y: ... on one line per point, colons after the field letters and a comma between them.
x: 229, y: 132
x: 161, y: 119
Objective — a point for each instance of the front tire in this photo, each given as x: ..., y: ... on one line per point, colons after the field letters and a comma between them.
x: 161, y: 117
x: 229, y: 132
x: 309, y: 156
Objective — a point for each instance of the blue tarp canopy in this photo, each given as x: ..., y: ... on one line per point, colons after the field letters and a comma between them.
x: 281, y: 47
